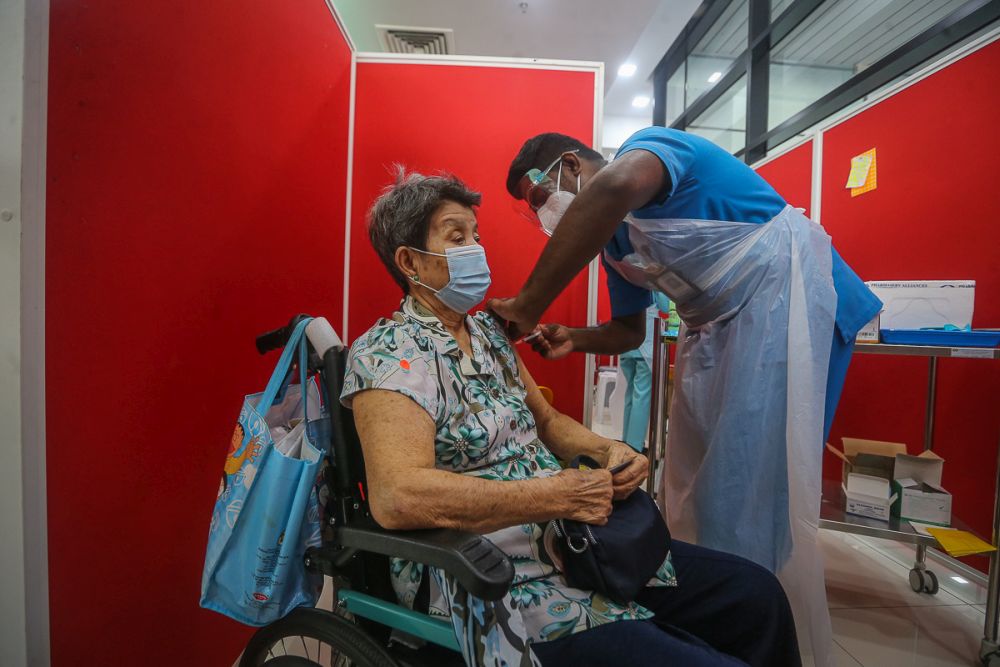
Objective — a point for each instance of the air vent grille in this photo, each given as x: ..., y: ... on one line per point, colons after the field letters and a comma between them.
x: 403, y: 39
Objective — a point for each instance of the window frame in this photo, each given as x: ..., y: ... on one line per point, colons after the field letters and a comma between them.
x: 763, y: 33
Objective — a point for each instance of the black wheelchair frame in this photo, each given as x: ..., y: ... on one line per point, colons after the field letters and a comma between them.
x: 355, y: 552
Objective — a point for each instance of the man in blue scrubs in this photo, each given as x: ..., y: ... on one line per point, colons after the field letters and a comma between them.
x: 771, y: 312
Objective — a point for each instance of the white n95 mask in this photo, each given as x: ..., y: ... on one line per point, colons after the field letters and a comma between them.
x: 468, y: 277
x: 551, y: 212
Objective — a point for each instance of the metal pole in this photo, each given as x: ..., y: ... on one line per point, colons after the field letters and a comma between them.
x: 659, y: 382
x: 931, y: 399
x: 993, y: 588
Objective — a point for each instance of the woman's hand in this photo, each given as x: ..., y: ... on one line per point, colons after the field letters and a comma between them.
x: 628, y: 479
x: 588, y: 495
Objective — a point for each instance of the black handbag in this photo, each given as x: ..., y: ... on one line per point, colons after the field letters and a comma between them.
x: 619, y: 558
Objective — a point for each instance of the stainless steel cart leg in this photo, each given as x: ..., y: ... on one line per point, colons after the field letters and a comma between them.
x: 931, y: 399
x: 989, y: 651
x: 659, y: 384
x: 923, y: 580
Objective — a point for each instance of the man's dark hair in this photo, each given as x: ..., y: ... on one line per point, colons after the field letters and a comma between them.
x: 540, y: 151
x: 401, y: 216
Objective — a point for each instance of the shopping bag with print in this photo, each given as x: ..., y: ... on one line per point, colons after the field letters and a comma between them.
x: 267, y: 511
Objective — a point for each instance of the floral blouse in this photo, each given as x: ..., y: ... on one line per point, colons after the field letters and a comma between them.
x: 485, y: 429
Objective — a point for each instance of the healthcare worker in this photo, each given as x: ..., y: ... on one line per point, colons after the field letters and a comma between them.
x: 770, y: 313
x: 637, y: 369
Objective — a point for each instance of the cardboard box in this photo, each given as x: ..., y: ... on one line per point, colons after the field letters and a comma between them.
x: 869, y: 496
x: 867, y: 476
x: 868, y: 457
x: 869, y: 333
x: 919, y: 304
x: 917, y: 483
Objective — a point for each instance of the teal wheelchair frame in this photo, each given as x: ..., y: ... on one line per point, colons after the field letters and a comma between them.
x: 355, y: 552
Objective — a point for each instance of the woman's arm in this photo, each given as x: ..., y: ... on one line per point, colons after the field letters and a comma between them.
x: 567, y: 438
x: 406, y: 491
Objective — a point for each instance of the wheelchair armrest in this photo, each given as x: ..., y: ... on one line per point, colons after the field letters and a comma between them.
x: 474, y: 561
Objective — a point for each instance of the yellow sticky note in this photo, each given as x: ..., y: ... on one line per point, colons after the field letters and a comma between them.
x: 959, y: 542
x: 864, y: 173
x: 860, y: 164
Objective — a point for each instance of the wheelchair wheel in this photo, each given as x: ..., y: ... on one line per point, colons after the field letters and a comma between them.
x: 314, y: 637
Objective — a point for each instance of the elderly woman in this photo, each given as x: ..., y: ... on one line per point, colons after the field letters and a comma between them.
x: 456, y: 434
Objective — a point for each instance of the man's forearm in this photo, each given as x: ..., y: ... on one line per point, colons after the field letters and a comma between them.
x: 588, y: 224
x: 609, y: 338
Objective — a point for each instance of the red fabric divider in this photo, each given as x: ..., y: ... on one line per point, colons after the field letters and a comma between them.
x: 196, y: 193
x: 791, y: 175
x: 469, y: 121
x: 933, y: 216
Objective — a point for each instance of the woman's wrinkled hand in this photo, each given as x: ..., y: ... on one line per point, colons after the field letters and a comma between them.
x: 588, y: 495
x: 628, y: 479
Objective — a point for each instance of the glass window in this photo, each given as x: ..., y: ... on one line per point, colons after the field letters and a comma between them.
x: 778, y: 7
x: 675, y: 95
x: 725, y: 122
x: 716, y: 51
x: 838, y: 40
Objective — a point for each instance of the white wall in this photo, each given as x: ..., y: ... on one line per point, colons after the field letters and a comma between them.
x: 619, y: 128
x: 13, y: 647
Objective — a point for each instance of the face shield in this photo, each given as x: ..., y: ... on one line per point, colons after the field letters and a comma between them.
x: 544, y: 201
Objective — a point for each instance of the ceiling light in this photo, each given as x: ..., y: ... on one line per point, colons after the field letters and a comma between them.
x: 715, y: 77
x: 961, y: 580
x: 628, y: 69
x: 640, y: 101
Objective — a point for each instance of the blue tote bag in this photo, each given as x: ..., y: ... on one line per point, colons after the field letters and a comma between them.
x: 267, y: 511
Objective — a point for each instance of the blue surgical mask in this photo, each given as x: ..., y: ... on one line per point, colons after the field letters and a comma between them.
x: 468, y: 277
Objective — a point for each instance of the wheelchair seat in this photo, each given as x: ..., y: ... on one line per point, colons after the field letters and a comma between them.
x: 367, y: 627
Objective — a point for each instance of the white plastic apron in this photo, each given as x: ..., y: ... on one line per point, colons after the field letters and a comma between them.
x: 744, y: 447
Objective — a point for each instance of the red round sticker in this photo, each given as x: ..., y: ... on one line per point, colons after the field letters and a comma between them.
x: 259, y: 596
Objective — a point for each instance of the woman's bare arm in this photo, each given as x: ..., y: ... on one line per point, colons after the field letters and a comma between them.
x: 407, y: 492
x: 568, y: 438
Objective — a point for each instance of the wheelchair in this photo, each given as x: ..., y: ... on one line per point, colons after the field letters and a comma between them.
x: 367, y: 627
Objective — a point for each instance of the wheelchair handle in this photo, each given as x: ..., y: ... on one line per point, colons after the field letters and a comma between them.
x: 275, y: 340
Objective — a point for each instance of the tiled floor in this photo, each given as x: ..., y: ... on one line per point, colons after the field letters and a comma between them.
x: 878, y: 621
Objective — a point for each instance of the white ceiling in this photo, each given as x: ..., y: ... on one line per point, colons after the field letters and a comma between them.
x: 612, y: 32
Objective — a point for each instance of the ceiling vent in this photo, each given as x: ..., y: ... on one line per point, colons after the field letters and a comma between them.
x: 404, y: 39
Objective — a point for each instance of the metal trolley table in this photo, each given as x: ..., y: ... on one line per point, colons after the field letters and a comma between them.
x: 832, y: 514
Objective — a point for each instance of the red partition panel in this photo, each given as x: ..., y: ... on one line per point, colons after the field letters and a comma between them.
x: 791, y: 175
x: 196, y: 192
x: 470, y: 121
x: 933, y: 216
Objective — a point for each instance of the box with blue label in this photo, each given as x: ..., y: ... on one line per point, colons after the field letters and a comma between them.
x: 920, y: 304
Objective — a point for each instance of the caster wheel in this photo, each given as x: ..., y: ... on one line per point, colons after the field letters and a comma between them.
x: 930, y: 583
x: 917, y: 580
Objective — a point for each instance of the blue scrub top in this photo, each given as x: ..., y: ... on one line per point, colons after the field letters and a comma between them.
x: 708, y: 183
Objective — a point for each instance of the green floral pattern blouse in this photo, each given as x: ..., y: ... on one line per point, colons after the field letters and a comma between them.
x: 484, y: 428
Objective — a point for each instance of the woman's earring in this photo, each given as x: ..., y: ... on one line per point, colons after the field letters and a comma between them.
x: 414, y: 277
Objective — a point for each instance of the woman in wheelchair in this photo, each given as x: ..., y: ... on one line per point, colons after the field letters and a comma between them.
x: 456, y: 434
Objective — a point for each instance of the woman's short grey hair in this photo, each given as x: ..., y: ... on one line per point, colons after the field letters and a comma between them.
x: 401, y: 216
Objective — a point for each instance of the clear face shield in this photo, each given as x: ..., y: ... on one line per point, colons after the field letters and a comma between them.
x: 544, y: 201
